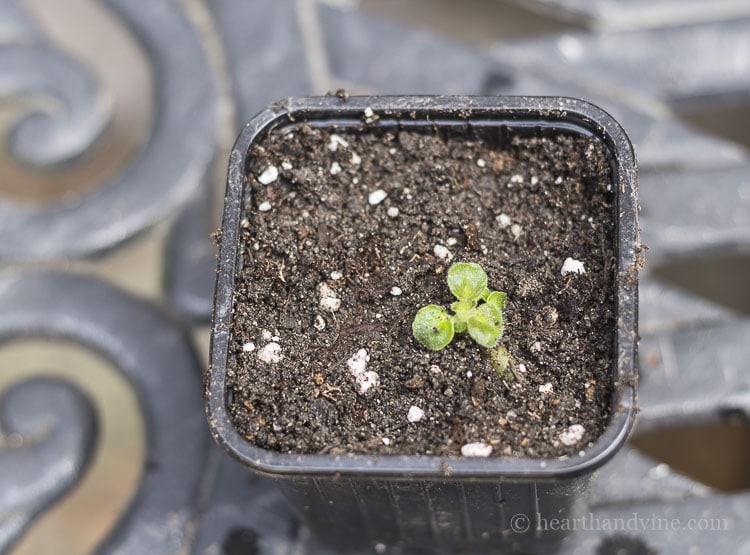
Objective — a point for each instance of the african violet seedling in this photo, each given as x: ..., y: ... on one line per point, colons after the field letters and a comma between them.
x: 478, y: 310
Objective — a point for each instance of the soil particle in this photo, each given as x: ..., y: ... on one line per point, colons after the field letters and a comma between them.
x: 399, y: 209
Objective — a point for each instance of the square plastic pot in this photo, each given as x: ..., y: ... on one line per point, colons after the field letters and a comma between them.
x: 425, y: 504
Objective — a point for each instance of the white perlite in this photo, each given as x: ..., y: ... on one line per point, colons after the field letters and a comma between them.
x: 572, y: 435
x: 504, y: 220
x: 264, y: 206
x: 335, y: 141
x: 516, y: 230
x: 356, y: 160
x: 358, y: 362
x: 370, y: 115
x: 271, y: 353
x: 286, y: 165
x: 442, y: 252
x: 386, y: 441
x: 328, y: 299
x: 481, y: 163
x: 365, y: 379
x: 572, y: 266
x: 396, y: 291
x: 392, y: 212
x: 545, y: 389
x: 478, y: 449
x: 415, y: 414
x: 335, y: 168
x: 331, y: 304
x: 376, y: 197
x: 248, y: 347
x: 269, y: 175
x: 319, y: 324
x: 336, y: 275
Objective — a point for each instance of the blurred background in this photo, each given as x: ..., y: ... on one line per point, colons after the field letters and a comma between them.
x: 117, y: 117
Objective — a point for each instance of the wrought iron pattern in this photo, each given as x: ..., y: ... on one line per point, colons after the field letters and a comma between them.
x: 81, y: 183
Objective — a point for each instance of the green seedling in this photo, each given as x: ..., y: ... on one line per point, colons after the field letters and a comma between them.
x: 477, y: 311
x: 501, y: 360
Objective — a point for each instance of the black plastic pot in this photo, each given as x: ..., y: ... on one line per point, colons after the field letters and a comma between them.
x: 429, y: 504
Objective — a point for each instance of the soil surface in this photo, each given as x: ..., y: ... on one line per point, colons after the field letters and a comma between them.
x: 320, y: 234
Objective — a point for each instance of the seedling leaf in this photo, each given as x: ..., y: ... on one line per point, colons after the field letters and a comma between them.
x: 467, y: 281
x: 498, y: 299
x: 463, y: 309
x: 433, y: 327
x: 486, y: 325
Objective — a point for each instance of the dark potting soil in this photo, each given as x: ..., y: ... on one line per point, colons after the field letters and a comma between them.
x: 519, y: 207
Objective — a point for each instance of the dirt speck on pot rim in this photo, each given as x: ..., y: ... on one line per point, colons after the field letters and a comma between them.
x: 399, y: 209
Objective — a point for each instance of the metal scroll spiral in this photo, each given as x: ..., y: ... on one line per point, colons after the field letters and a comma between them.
x: 55, y: 426
x: 92, y: 153
x: 52, y: 429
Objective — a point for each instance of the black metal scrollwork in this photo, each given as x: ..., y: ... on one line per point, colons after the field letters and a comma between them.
x: 56, y: 112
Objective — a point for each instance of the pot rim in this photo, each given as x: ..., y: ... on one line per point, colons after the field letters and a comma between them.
x: 394, y: 110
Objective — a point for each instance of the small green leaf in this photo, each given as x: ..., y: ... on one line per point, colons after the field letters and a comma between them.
x: 459, y: 326
x: 432, y: 327
x: 492, y: 312
x: 501, y: 360
x: 497, y: 298
x: 486, y: 325
x: 463, y: 310
x: 467, y: 281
